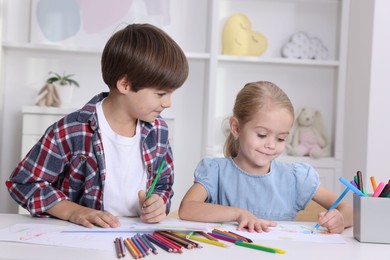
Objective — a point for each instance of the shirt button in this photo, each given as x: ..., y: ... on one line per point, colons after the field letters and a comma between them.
x: 150, y: 169
x: 82, y: 158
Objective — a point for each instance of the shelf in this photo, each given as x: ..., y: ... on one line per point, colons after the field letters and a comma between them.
x: 77, y: 50
x: 260, y: 60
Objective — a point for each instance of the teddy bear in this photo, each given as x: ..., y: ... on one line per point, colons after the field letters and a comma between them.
x: 308, y: 135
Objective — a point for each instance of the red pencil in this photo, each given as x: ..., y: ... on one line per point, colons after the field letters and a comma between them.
x: 176, y: 248
x: 158, y: 243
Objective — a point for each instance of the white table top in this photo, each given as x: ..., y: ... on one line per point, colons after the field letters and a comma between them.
x: 352, y: 249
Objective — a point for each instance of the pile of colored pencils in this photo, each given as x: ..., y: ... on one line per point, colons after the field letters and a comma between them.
x: 141, y: 245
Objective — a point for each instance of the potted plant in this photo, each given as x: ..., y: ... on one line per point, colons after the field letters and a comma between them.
x: 64, y: 85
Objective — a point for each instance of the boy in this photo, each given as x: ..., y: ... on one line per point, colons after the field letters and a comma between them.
x: 95, y: 164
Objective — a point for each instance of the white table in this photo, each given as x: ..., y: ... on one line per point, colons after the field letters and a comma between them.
x: 295, y: 250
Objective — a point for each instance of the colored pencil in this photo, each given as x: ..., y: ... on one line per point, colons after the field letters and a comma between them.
x: 175, y: 247
x: 359, y: 180
x: 332, y: 207
x: 146, y: 249
x: 373, y: 183
x: 378, y: 189
x: 121, y: 246
x: 214, y: 242
x: 151, y: 189
x: 206, y: 235
x: 158, y: 243
x: 223, y: 237
x: 150, y: 245
x: 117, y: 248
x: 224, y: 233
x: 130, y: 248
x: 138, y: 247
x: 179, y: 240
x: 260, y: 247
x: 385, y: 191
x: 245, y: 239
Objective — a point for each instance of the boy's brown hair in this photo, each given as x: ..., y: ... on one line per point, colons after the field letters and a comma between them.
x: 147, y: 55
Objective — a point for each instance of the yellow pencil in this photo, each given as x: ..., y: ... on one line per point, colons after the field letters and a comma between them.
x: 201, y: 239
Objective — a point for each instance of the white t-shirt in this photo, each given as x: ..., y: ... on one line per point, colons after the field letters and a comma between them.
x: 125, y: 171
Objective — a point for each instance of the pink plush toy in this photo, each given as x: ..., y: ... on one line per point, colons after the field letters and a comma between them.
x: 308, y: 136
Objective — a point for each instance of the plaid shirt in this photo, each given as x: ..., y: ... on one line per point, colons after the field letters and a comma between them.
x: 67, y: 163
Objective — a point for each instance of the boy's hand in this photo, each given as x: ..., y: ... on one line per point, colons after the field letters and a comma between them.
x: 153, y: 209
x: 88, y: 217
x: 333, y: 221
x: 252, y: 223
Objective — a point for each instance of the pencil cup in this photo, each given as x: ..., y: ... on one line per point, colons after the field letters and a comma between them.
x: 370, y: 219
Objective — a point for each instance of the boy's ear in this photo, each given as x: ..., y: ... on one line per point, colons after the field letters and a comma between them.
x: 123, y: 84
x: 234, y: 126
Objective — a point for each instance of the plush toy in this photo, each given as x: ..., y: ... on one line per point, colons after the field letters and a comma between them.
x: 239, y: 39
x: 48, y: 96
x: 308, y: 136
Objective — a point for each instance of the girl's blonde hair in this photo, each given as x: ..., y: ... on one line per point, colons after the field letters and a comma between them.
x: 252, y: 97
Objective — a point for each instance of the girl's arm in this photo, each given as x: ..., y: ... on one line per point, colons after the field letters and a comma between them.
x: 335, y: 220
x: 193, y: 207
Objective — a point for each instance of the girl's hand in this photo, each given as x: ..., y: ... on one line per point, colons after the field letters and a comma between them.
x: 333, y: 221
x: 252, y: 223
x: 153, y: 209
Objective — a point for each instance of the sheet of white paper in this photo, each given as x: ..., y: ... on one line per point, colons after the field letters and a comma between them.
x: 292, y: 232
x: 136, y: 225
x: 46, y: 234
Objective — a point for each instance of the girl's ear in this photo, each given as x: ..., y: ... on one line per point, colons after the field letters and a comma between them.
x: 123, y: 85
x: 234, y: 127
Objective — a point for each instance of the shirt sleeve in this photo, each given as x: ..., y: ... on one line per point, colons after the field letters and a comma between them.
x: 307, y: 183
x: 207, y: 174
x: 30, y: 183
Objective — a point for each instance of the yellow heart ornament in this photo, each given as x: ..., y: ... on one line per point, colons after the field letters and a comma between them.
x: 239, y: 39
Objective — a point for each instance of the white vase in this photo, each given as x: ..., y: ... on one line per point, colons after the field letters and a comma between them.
x: 65, y: 92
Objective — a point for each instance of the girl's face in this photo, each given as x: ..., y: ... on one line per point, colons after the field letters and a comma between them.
x: 262, y: 139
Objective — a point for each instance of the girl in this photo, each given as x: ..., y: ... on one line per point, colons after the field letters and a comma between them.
x: 248, y: 185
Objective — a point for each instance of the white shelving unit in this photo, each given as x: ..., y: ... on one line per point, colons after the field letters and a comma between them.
x: 208, y: 95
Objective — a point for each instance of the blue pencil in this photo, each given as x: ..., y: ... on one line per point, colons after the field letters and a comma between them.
x: 332, y: 207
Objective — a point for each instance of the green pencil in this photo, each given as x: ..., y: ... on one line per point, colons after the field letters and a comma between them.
x: 260, y: 247
x: 155, y: 180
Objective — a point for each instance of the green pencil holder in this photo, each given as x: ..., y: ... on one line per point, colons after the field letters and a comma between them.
x: 371, y: 219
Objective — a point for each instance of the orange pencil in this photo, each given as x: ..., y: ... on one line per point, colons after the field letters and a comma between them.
x: 131, y: 249
x: 139, y: 253
x: 373, y: 182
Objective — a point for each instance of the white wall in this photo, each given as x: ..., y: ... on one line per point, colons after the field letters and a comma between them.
x: 367, y: 128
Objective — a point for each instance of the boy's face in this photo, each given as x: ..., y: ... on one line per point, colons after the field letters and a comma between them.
x: 148, y: 103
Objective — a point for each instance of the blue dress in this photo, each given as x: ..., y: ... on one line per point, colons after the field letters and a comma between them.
x: 277, y: 195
